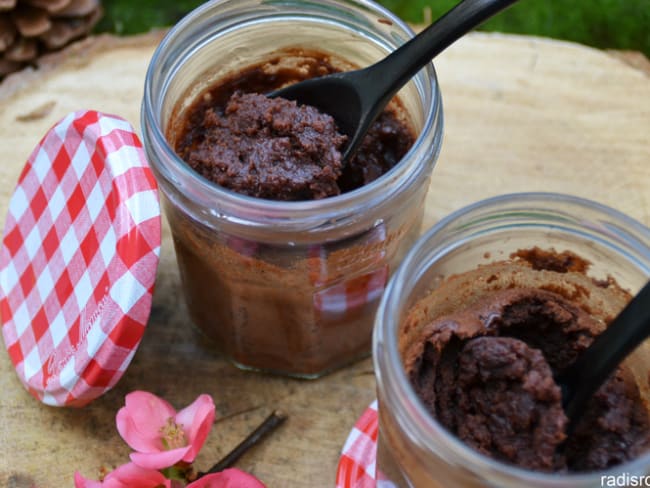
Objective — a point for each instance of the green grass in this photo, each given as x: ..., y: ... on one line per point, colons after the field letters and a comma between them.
x: 613, y: 24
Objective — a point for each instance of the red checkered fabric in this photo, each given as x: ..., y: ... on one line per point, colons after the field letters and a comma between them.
x: 348, y: 295
x: 78, y: 259
x: 352, y: 293
x: 356, y: 467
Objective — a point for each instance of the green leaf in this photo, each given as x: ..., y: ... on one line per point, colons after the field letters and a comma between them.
x: 614, y: 24
x: 174, y: 473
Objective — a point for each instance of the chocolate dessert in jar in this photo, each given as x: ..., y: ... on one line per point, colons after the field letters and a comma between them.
x: 485, y: 310
x: 284, y: 270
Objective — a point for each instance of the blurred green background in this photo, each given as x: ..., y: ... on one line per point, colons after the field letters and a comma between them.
x: 612, y: 24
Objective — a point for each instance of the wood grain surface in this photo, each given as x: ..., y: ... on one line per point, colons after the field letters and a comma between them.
x: 521, y: 114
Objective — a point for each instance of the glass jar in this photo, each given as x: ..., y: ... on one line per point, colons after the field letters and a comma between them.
x: 414, y: 449
x: 285, y: 287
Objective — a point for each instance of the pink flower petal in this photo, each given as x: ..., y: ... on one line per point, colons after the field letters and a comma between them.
x: 147, y: 407
x: 126, y: 476
x: 197, y: 420
x: 140, y: 420
x: 159, y: 459
x: 197, y: 408
x: 133, y: 436
x: 81, y: 482
x: 133, y: 476
x: 229, y: 478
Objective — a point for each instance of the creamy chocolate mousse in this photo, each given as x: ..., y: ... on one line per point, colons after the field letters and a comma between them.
x: 279, y: 150
x: 484, y: 365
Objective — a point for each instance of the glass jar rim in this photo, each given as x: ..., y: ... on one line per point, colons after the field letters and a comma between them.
x: 413, y: 413
x: 299, y: 215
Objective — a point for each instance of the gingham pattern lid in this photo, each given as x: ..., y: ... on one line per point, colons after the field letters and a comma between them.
x: 78, y: 260
x: 357, y: 464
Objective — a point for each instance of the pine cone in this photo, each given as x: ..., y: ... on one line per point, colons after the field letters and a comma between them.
x: 31, y: 28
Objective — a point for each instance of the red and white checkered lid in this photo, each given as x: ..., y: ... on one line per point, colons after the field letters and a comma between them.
x: 357, y: 464
x: 78, y: 259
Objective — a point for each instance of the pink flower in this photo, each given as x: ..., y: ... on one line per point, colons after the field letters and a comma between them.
x: 228, y: 478
x: 160, y: 436
x: 126, y: 476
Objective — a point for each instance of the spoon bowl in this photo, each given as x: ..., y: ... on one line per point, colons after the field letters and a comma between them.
x: 355, y: 98
x: 596, y: 363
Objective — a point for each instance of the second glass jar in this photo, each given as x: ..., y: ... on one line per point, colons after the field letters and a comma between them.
x: 286, y: 287
x: 416, y: 449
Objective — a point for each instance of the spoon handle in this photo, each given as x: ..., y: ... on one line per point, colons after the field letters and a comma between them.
x: 581, y: 380
x: 401, y: 65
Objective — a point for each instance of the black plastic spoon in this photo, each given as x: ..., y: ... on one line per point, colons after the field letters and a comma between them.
x: 583, y: 378
x: 356, y: 98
